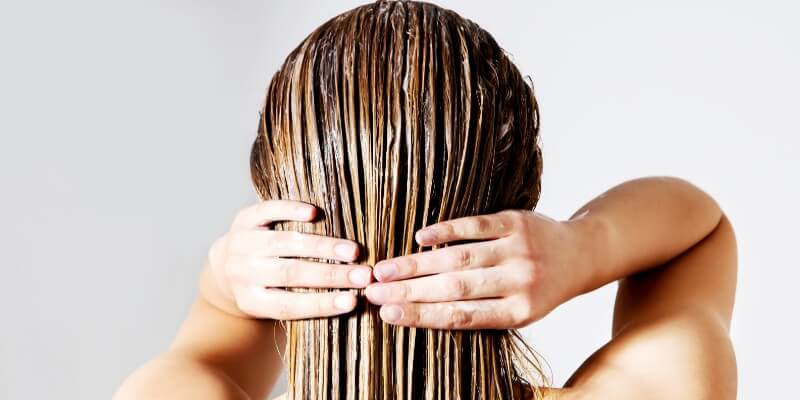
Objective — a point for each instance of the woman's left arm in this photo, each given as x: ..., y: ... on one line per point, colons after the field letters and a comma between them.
x: 525, y: 264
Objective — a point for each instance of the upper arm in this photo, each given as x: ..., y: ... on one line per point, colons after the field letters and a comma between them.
x: 171, y: 377
x: 670, y: 333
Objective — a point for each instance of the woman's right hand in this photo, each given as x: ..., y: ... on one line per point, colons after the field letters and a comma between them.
x: 247, y: 266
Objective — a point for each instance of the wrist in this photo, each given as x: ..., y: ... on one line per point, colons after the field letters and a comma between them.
x: 214, y: 291
x: 593, y: 238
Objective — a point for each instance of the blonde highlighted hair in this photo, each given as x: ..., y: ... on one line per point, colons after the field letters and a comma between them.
x: 390, y: 117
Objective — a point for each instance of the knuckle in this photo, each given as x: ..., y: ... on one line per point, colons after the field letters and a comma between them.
x: 522, y: 314
x: 481, y: 224
x: 516, y: 218
x: 459, y: 318
x: 509, y: 213
x: 447, y: 228
x: 400, y: 291
x: 332, y: 275
x: 502, y: 222
x: 235, y: 272
x: 408, y: 267
x: 464, y: 257
x: 412, y: 315
x: 495, y: 250
x: 525, y: 247
x: 528, y: 279
x: 456, y: 286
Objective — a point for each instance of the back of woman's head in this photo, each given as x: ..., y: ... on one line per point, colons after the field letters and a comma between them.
x: 389, y: 117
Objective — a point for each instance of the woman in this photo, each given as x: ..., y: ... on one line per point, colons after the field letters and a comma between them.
x: 397, y: 126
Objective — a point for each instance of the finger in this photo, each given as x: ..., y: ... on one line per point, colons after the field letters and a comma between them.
x: 449, y: 286
x: 285, y: 272
x: 269, y: 243
x: 469, y: 314
x: 285, y: 305
x: 488, y: 226
x: 451, y: 258
x: 268, y: 211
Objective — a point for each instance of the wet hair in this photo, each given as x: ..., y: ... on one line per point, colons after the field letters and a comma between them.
x: 390, y: 117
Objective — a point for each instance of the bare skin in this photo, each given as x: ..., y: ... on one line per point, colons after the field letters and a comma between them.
x: 666, y: 241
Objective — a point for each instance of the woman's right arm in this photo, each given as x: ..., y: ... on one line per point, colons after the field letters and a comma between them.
x: 670, y: 335
x: 227, y: 347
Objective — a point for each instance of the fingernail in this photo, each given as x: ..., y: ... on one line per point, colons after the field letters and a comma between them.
x: 344, y: 301
x: 425, y: 235
x: 391, y: 313
x: 385, y: 270
x: 360, y: 276
x: 346, y: 250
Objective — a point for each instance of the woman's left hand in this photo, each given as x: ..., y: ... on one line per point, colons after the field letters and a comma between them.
x: 524, y: 266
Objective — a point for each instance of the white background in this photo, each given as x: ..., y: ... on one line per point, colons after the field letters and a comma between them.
x: 125, y: 130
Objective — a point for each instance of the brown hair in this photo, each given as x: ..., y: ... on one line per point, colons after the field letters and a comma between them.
x: 389, y: 117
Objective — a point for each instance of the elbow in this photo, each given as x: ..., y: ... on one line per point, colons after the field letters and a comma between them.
x: 700, y: 205
x: 724, y: 238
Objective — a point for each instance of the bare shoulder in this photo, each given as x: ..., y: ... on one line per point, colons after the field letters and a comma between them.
x: 549, y: 394
x: 670, y: 335
x: 558, y: 393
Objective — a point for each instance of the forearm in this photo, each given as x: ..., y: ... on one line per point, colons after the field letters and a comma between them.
x: 244, y: 348
x: 216, y: 354
x: 640, y: 224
